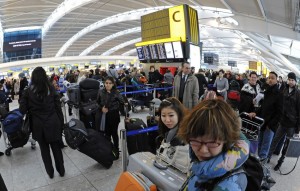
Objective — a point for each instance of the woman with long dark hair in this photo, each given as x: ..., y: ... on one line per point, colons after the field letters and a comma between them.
x: 41, y: 101
x: 109, y: 100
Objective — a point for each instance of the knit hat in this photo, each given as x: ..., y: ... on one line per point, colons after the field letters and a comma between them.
x: 292, y: 75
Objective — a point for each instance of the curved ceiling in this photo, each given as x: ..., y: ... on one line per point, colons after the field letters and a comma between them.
x: 270, y: 21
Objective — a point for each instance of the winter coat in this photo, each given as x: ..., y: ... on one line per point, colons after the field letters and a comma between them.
x: 46, y: 117
x: 201, y: 82
x: 191, y: 90
x: 234, y: 158
x: 155, y: 77
x: 247, y: 96
x: 290, y: 114
x: 169, y: 78
x: 111, y: 100
x: 271, y: 107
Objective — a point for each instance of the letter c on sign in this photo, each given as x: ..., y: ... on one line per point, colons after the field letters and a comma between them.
x: 174, y: 19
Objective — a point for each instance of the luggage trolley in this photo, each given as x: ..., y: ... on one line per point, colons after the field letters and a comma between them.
x: 251, y: 129
x: 7, y: 142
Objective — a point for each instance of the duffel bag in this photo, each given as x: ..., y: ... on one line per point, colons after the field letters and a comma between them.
x: 75, y: 133
x: 89, y: 108
x: 17, y: 139
x: 13, y: 121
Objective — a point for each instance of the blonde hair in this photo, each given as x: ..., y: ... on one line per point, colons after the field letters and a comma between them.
x: 214, y: 119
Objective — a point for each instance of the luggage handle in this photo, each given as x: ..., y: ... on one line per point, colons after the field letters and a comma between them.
x: 160, y: 166
x: 124, y: 149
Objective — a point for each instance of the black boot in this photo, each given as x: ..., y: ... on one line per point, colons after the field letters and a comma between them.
x: 279, y: 163
x: 1, y: 153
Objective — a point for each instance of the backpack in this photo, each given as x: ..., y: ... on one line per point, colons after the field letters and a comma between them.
x: 13, y: 121
x: 234, y: 85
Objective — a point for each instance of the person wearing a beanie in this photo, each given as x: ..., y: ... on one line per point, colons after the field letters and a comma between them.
x: 289, y: 122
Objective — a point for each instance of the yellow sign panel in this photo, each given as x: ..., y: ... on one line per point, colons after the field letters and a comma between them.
x: 157, y: 41
x: 194, y: 26
x: 252, y: 65
x: 177, y: 22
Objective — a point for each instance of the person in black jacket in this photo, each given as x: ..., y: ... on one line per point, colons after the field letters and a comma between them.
x: 154, y: 75
x: 23, y: 84
x: 41, y: 101
x: 201, y: 81
x: 270, y: 112
x: 109, y: 100
x: 289, y: 123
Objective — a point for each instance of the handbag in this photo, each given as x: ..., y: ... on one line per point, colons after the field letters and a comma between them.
x: 175, y: 156
x: 89, y: 108
x: 26, y: 129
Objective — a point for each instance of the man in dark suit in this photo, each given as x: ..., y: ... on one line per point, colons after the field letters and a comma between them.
x: 281, y: 84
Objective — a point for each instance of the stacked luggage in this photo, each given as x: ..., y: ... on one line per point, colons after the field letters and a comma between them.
x: 83, y: 98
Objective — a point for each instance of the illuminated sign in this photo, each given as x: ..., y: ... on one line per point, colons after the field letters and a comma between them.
x: 176, y: 22
x: 169, y: 50
x: 252, y: 65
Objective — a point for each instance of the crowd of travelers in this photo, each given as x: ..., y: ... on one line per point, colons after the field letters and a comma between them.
x: 211, y: 127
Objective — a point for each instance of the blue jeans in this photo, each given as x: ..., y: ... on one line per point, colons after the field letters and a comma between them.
x: 264, y: 142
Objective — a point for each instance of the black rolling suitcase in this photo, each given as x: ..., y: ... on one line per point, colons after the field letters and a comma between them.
x: 153, y: 135
x: 2, y: 184
x: 136, y: 142
x: 89, y: 89
x: 99, y: 148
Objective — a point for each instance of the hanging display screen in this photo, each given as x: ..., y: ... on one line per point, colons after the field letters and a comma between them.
x: 169, y: 50
x: 177, y: 47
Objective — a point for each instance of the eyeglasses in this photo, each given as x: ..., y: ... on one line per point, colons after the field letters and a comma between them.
x: 165, y: 100
x: 195, y: 143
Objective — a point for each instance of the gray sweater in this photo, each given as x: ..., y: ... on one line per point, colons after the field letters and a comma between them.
x: 221, y: 84
x: 169, y: 78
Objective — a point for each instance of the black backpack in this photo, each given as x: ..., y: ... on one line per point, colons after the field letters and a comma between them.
x: 75, y: 133
x: 234, y: 85
x: 254, y: 170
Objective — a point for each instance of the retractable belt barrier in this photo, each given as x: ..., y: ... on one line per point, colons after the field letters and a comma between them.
x: 140, y: 131
x: 147, y: 90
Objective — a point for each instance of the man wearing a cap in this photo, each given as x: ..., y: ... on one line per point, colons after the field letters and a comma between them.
x: 289, y: 123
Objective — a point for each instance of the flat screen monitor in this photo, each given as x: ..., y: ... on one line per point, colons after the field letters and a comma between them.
x: 147, y: 52
x: 169, y: 50
x: 177, y: 47
x: 140, y: 53
x: 161, y: 51
x: 154, y: 52
x: 195, y: 56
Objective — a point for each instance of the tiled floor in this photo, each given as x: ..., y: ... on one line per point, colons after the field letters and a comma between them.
x: 24, y: 170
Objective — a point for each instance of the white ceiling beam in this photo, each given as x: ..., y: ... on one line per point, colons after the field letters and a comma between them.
x: 227, y: 6
x: 109, y: 38
x: 262, y: 10
x: 63, y: 9
x: 126, y: 16
x: 118, y: 47
x: 270, y: 39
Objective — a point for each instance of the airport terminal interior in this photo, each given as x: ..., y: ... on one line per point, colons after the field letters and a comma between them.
x: 82, y: 35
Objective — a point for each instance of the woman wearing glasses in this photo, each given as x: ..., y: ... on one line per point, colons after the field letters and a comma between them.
x: 217, y: 146
x: 109, y: 100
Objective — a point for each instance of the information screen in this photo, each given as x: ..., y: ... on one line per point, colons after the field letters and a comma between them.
x: 140, y: 53
x: 177, y: 50
x: 169, y: 50
x: 154, y: 52
x: 147, y: 52
x: 161, y: 51
x: 195, y: 56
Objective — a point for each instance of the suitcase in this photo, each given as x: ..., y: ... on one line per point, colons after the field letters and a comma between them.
x: 99, y: 148
x: 153, y: 135
x: 75, y: 133
x: 133, y: 181
x: 89, y: 89
x: 168, y: 179
x: 138, y: 142
x: 73, y: 93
